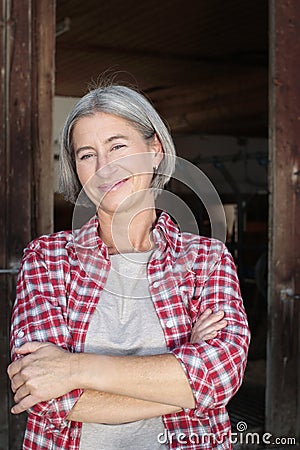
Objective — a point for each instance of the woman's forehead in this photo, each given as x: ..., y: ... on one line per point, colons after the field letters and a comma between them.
x: 105, y: 126
x: 103, y: 120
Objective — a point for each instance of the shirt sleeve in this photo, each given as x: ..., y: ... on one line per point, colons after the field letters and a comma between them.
x: 38, y: 315
x: 215, y: 368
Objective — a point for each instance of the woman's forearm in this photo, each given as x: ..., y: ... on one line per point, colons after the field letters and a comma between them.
x: 101, y: 407
x: 40, y: 374
x: 158, y: 378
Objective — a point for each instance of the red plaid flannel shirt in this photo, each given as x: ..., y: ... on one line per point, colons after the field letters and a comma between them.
x: 59, y: 285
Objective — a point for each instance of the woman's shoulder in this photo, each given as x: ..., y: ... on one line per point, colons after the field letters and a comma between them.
x: 202, y: 244
x: 204, y: 253
x: 50, y: 244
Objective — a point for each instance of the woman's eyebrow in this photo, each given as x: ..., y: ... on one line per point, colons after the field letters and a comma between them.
x: 116, y: 136
x: 85, y: 147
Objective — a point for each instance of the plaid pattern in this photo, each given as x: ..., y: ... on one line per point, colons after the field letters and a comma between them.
x: 59, y: 285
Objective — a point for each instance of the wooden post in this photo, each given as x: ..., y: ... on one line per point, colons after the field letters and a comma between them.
x: 26, y: 196
x: 283, y: 358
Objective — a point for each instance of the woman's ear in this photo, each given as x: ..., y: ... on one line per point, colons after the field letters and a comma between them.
x: 157, y: 150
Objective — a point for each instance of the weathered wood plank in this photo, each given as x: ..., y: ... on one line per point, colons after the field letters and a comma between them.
x: 3, y: 259
x: 43, y: 73
x: 26, y: 195
x: 19, y: 121
x: 283, y: 367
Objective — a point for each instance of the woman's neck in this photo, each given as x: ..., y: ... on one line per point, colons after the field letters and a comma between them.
x: 127, y: 232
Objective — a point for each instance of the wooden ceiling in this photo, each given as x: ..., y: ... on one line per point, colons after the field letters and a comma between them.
x: 203, y: 63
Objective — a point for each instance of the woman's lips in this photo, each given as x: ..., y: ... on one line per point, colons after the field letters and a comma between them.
x: 112, y: 186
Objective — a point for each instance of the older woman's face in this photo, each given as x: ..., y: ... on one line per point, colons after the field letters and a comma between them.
x: 114, y: 162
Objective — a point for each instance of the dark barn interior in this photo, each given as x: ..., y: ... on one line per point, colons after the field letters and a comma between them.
x: 215, y: 71
x: 204, y: 65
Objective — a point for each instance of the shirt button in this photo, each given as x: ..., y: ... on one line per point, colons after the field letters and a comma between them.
x: 169, y: 323
x: 21, y: 334
x: 156, y: 284
x: 73, y: 434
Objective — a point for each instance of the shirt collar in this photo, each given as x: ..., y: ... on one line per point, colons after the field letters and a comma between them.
x: 88, y: 236
x: 165, y: 234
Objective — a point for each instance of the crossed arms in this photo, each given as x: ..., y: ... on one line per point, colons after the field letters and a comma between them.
x: 116, y: 389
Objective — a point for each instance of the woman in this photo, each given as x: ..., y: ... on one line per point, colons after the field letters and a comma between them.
x: 117, y: 332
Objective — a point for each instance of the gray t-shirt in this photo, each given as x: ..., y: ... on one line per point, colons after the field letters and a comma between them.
x: 125, y: 323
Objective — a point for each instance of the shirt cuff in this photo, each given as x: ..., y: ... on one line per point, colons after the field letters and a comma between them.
x: 198, y: 376
x: 55, y: 411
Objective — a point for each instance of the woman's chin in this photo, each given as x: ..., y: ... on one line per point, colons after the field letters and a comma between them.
x: 112, y: 204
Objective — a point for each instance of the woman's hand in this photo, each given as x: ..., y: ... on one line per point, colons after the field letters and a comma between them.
x: 47, y: 371
x: 207, y: 326
x: 42, y: 374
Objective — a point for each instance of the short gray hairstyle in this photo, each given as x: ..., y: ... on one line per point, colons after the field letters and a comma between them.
x: 128, y: 104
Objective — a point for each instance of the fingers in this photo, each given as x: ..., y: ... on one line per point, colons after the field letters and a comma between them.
x: 210, y: 328
x: 208, y: 336
x: 208, y: 319
x: 214, y: 327
x: 27, y: 350
x: 39, y: 375
x: 16, y: 382
x: 14, y: 368
x: 207, y: 326
x: 22, y: 398
x: 21, y: 393
x: 29, y: 347
x: 24, y: 404
x: 209, y: 315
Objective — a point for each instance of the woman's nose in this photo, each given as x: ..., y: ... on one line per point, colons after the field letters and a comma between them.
x: 104, y: 167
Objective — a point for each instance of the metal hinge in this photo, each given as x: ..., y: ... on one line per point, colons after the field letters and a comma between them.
x: 9, y: 271
x: 288, y: 294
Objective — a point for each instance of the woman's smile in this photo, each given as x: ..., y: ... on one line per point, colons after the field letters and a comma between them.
x: 111, y: 187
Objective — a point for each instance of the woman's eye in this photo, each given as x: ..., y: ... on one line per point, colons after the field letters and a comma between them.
x: 87, y: 156
x: 118, y: 146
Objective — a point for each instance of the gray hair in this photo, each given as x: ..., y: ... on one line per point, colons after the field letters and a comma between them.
x: 128, y: 104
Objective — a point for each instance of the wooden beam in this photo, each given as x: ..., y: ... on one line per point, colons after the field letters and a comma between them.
x: 3, y: 242
x: 147, y: 72
x: 43, y: 71
x: 283, y: 361
x: 186, y: 95
x: 26, y: 196
x: 218, y: 108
